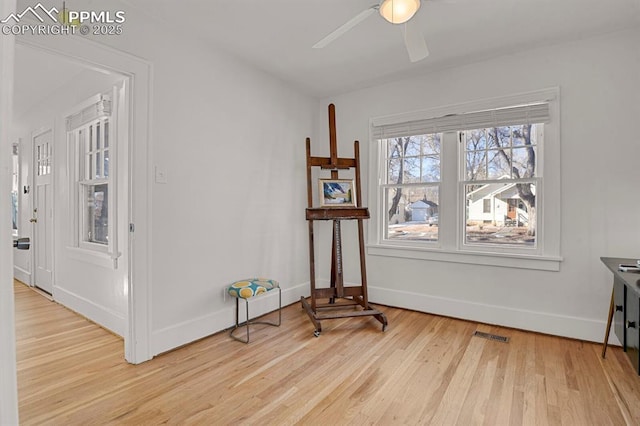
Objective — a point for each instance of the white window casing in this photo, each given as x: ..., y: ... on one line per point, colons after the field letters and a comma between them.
x: 540, y: 107
x: 91, y: 143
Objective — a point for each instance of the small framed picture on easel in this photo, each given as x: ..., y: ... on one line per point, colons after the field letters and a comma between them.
x: 337, y: 192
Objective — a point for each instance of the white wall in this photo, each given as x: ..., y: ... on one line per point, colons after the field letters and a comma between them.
x: 599, y: 83
x: 230, y: 140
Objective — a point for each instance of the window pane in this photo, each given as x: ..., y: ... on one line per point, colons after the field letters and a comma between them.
x: 413, y: 159
x: 106, y: 163
x: 394, y: 147
x: 411, y: 170
x: 412, y: 147
x: 517, y: 138
x: 15, y: 188
x: 14, y: 211
x: 510, y: 152
x: 39, y: 159
x: 511, y: 221
x: 47, y: 158
x: 98, y: 163
x: 97, y: 214
x: 524, y: 161
x: 476, y: 140
x: 82, y: 161
x: 476, y: 165
x: 430, y: 169
x: 524, y: 134
x: 393, y: 172
x: 412, y: 213
x: 91, y: 166
x: 498, y: 164
x: 98, y: 140
x: 106, y: 134
x: 431, y: 144
x: 500, y: 137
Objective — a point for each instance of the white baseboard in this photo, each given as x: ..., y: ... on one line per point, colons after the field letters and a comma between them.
x: 112, y: 321
x: 169, y: 338
x: 22, y: 275
x: 542, y: 322
x: 559, y: 325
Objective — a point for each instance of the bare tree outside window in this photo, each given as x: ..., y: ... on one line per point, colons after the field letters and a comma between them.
x: 412, y: 186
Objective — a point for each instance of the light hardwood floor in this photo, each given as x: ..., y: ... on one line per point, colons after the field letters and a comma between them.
x: 424, y: 369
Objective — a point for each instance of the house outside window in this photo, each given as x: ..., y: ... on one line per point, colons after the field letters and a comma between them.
x: 412, y: 186
x: 486, y: 205
x: 455, y: 186
x: 500, y: 170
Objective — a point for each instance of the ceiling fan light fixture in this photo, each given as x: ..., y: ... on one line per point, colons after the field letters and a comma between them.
x: 399, y: 11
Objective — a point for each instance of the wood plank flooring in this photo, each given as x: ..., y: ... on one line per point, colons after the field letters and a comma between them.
x: 423, y: 370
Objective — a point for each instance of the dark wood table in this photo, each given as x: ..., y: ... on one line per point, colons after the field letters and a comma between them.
x: 624, y: 309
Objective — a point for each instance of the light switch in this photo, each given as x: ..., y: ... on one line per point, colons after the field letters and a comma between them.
x: 161, y: 175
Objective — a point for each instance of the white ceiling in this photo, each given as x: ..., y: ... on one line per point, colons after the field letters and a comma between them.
x: 277, y: 35
x: 37, y: 75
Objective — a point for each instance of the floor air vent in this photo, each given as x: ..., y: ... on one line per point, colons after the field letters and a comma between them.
x: 491, y: 336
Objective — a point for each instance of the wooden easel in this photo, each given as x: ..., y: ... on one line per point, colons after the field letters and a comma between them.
x: 339, y: 301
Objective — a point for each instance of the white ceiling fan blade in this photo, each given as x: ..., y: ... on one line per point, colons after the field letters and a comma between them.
x: 346, y: 27
x: 414, y: 40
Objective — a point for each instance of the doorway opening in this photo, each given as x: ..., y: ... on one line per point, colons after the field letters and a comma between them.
x: 98, y: 283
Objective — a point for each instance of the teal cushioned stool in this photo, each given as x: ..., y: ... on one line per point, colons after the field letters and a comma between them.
x: 246, y: 289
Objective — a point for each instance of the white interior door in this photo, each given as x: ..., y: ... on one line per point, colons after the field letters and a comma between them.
x: 43, y: 211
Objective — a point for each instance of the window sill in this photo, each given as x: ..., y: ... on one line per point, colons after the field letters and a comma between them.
x: 541, y: 263
x: 94, y: 257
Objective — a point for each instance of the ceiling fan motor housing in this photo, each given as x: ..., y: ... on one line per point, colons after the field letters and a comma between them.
x: 399, y: 11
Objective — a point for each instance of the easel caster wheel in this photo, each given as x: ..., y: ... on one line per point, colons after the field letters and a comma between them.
x: 316, y: 333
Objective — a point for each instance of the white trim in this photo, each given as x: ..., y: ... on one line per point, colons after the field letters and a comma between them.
x: 140, y: 73
x: 94, y: 257
x: 22, y: 275
x: 93, y: 247
x: 106, y: 318
x: 541, y: 322
x: 506, y: 260
x: 178, y: 335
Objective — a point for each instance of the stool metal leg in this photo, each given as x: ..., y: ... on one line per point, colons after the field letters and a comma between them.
x: 247, y: 322
x: 246, y: 302
x: 237, y: 313
x: 279, y: 306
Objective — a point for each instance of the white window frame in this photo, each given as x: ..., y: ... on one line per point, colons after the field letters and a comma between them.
x: 537, y: 180
x: 386, y: 186
x: 87, y: 179
x: 450, y: 246
x: 97, y: 109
